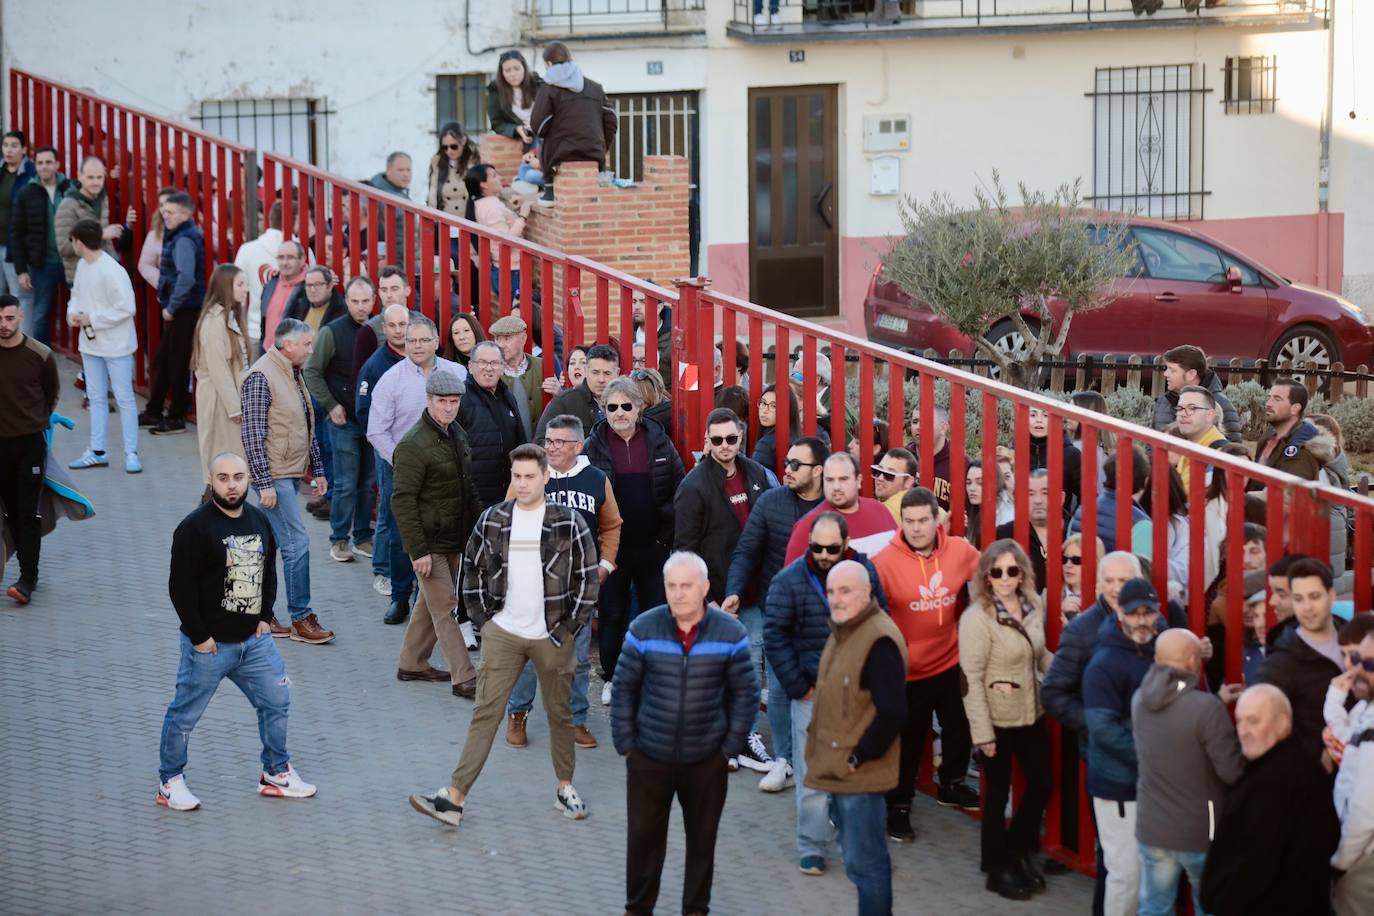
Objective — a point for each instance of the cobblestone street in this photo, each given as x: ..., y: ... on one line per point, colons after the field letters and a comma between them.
x: 86, y: 672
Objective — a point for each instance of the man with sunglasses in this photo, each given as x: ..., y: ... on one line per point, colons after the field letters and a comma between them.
x: 892, y: 477
x: 1355, y: 780
x: 796, y: 626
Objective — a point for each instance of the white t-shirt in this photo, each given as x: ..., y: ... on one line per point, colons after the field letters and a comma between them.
x: 523, y: 614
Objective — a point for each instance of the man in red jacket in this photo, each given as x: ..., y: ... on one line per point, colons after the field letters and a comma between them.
x: 923, y: 572
x: 870, y: 524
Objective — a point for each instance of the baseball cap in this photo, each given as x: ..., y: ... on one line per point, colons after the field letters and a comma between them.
x: 1137, y: 593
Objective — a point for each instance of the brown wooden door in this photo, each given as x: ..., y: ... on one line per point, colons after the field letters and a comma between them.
x: 793, y: 189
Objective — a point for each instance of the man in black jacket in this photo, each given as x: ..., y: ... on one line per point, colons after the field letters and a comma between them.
x: 491, y: 418
x: 1278, y: 829
x: 223, y: 583
x: 180, y: 293
x: 584, y: 400
x: 571, y: 117
x: 33, y: 242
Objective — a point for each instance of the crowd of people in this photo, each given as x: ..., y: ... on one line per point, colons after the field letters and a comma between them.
x: 494, y: 523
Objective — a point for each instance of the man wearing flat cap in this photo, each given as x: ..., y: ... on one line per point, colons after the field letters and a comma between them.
x: 523, y: 372
x: 435, y: 505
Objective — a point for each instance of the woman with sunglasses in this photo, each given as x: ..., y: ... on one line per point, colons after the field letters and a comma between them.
x: 1002, y: 653
x: 456, y: 154
x: 1071, y: 598
x: 658, y: 402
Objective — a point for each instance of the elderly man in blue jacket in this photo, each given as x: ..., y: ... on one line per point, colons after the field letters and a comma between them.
x: 683, y: 701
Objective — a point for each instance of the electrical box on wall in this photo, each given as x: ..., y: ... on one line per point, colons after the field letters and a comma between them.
x: 885, y: 175
x: 887, y: 133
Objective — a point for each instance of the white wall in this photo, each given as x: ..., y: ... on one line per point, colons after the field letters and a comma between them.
x: 1352, y: 146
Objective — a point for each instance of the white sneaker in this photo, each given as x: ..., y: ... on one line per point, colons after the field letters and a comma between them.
x: 174, y: 794
x: 760, y: 20
x: 381, y: 585
x: 732, y: 764
x: 778, y: 777
x: 570, y: 803
x: 285, y: 785
x: 469, y: 637
x: 606, y: 694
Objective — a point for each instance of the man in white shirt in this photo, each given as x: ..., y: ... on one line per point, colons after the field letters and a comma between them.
x: 102, y: 308
x: 257, y: 258
x: 529, y: 583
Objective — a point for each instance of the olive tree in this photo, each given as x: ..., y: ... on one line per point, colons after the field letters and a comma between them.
x: 992, y: 270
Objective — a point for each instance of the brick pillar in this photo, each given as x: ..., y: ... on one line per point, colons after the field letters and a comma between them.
x: 502, y: 152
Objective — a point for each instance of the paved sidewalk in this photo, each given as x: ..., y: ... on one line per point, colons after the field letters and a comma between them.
x: 86, y: 672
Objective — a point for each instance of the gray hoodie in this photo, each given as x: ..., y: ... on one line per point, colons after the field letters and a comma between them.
x: 1188, y: 755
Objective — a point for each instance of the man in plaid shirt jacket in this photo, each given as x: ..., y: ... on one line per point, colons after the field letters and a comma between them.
x: 529, y: 583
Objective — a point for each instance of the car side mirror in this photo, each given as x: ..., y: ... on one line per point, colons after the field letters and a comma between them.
x: 1234, y: 278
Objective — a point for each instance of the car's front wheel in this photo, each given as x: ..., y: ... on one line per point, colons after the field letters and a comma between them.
x: 1305, y: 345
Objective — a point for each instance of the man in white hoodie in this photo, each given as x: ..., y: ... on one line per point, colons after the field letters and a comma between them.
x: 102, y: 308
x: 1355, y: 781
x: 257, y: 258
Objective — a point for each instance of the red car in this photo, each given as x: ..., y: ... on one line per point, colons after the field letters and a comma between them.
x: 1186, y: 288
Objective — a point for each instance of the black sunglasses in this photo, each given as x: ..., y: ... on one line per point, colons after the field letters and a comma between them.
x: 612, y: 408
x: 793, y: 464
x: 718, y: 441
x: 451, y: 146
x: 1355, y: 658
x: 1073, y: 561
x: 833, y: 549
x: 1012, y: 572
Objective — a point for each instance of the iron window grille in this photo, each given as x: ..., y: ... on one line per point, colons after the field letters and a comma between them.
x: 661, y: 124
x: 1149, y: 140
x: 461, y: 97
x: 293, y: 127
x: 1250, y: 85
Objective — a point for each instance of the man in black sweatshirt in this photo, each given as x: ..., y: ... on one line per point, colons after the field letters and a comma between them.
x: 223, y: 583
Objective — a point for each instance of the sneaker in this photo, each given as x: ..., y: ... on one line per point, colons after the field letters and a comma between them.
x: 439, y: 806
x: 606, y: 694
x: 90, y: 459
x: 149, y: 419
x: 570, y: 803
x: 899, y: 824
x: 812, y: 865
x: 515, y: 730
x: 381, y: 585
x: 760, y: 20
x: 778, y: 777
x: 131, y: 463
x: 21, y: 591
x: 339, y: 551
x: 285, y: 785
x: 174, y: 794
x: 469, y: 637
x: 583, y: 738
x: 363, y: 549
x: 169, y: 428
x: 308, y: 630
x: 959, y: 795
x: 732, y: 764
x: 755, y: 756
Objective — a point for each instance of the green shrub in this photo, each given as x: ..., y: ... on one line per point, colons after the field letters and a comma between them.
x: 1356, y: 417
x: 1132, y: 405
x: 1247, y: 398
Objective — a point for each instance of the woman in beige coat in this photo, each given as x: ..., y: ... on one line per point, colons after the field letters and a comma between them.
x: 220, y: 358
x: 1002, y: 653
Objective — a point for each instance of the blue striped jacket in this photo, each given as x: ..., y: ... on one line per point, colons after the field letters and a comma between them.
x: 677, y: 707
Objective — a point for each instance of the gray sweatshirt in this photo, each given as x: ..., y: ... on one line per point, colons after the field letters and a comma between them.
x: 1188, y: 755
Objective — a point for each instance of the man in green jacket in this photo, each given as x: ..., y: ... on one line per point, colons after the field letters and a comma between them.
x: 395, y: 179
x: 435, y: 505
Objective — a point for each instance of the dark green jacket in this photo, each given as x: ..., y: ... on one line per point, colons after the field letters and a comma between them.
x: 432, y: 495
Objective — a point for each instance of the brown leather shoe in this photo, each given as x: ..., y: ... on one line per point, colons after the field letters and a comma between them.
x: 429, y: 674
x: 279, y: 631
x: 582, y: 737
x: 467, y: 690
x: 515, y: 730
x: 316, y: 504
x: 308, y: 630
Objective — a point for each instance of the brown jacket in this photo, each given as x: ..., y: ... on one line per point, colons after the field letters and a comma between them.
x: 290, y: 427
x: 1002, y: 660
x: 842, y: 709
x: 573, y: 125
x: 1303, y: 452
x: 221, y: 363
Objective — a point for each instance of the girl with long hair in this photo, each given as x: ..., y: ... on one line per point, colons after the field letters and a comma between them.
x: 464, y: 333
x: 220, y: 359
x: 510, y: 98
x: 456, y: 154
x: 486, y: 207
x: 1003, y: 510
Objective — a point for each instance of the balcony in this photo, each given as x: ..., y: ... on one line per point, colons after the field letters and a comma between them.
x: 591, y: 19
x: 856, y: 19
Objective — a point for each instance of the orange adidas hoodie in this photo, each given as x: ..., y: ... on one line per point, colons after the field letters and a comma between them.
x: 923, y: 593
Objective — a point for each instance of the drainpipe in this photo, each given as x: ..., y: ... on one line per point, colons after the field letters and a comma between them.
x: 1324, y: 160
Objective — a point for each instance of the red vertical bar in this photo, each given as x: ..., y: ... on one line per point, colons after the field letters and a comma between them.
x: 1274, y: 541
x: 17, y: 109
x: 727, y: 343
x: 1159, y: 518
x: 321, y: 222
x: 405, y: 249
x: 1054, y: 558
x: 269, y: 192
x: 336, y: 237
x: 1088, y: 472
x: 896, y: 404
x: 958, y: 490
x: 652, y: 306
x: 627, y: 329
x: 706, y: 338
x: 1363, y: 561
x: 783, y: 431
x: 1235, y: 586
x: 573, y: 319
x: 427, y: 267
x: 153, y: 310
x: 305, y: 215
x: 484, y: 277
x: 988, y: 517
x: 355, y: 238
x: 238, y: 203
x: 1020, y: 471
x: 603, y: 314
x: 839, y: 415
x: 925, y: 404
x: 221, y: 180
x: 755, y: 379
x: 1197, y: 544
x: 375, y: 213
x: 809, y: 404
x: 1321, y: 528
x: 867, y: 456
x: 503, y: 307
x: 68, y: 111
x: 546, y: 344
x: 1125, y: 496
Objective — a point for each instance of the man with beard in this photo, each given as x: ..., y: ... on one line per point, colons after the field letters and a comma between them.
x: 870, y: 524
x: 223, y: 583
x: 1292, y: 444
x: 1038, y: 498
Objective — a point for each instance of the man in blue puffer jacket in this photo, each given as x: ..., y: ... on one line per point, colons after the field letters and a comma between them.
x: 1125, y: 652
x: 682, y: 703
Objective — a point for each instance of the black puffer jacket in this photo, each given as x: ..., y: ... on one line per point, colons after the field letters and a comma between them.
x: 682, y: 709
x: 29, y: 216
x: 705, y: 522
x: 665, y: 468
x: 1303, y: 674
x: 491, y: 420
x: 577, y: 401
x: 766, y: 451
x: 432, y: 496
x: 796, y: 622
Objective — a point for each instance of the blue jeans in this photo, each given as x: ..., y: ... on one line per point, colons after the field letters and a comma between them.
x: 752, y: 618
x: 351, y: 483
x: 862, y: 823
x: 815, y: 832
x: 9, y: 281
x: 381, y: 539
x: 288, y: 527
x: 522, y: 697
x: 256, y: 667
x: 772, y: 7
x: 102, y: 374
x: 780, y: 720
x: 1160, y: 870
x: 323, y: 437
x: 46, y: 282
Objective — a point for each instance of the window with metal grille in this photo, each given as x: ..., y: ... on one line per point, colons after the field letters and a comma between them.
x: 461, y: 97
x: 1250, y: 84
x: 298, y: 128
x: 660, y: 124
x: 1148, y: 139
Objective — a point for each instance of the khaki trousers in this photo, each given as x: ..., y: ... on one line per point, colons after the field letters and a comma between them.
x: 503, y: 658
x: 432, y: 622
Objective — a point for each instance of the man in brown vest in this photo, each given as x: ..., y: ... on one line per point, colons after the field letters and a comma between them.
x: 279, y: 440
x: 859, y: 709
